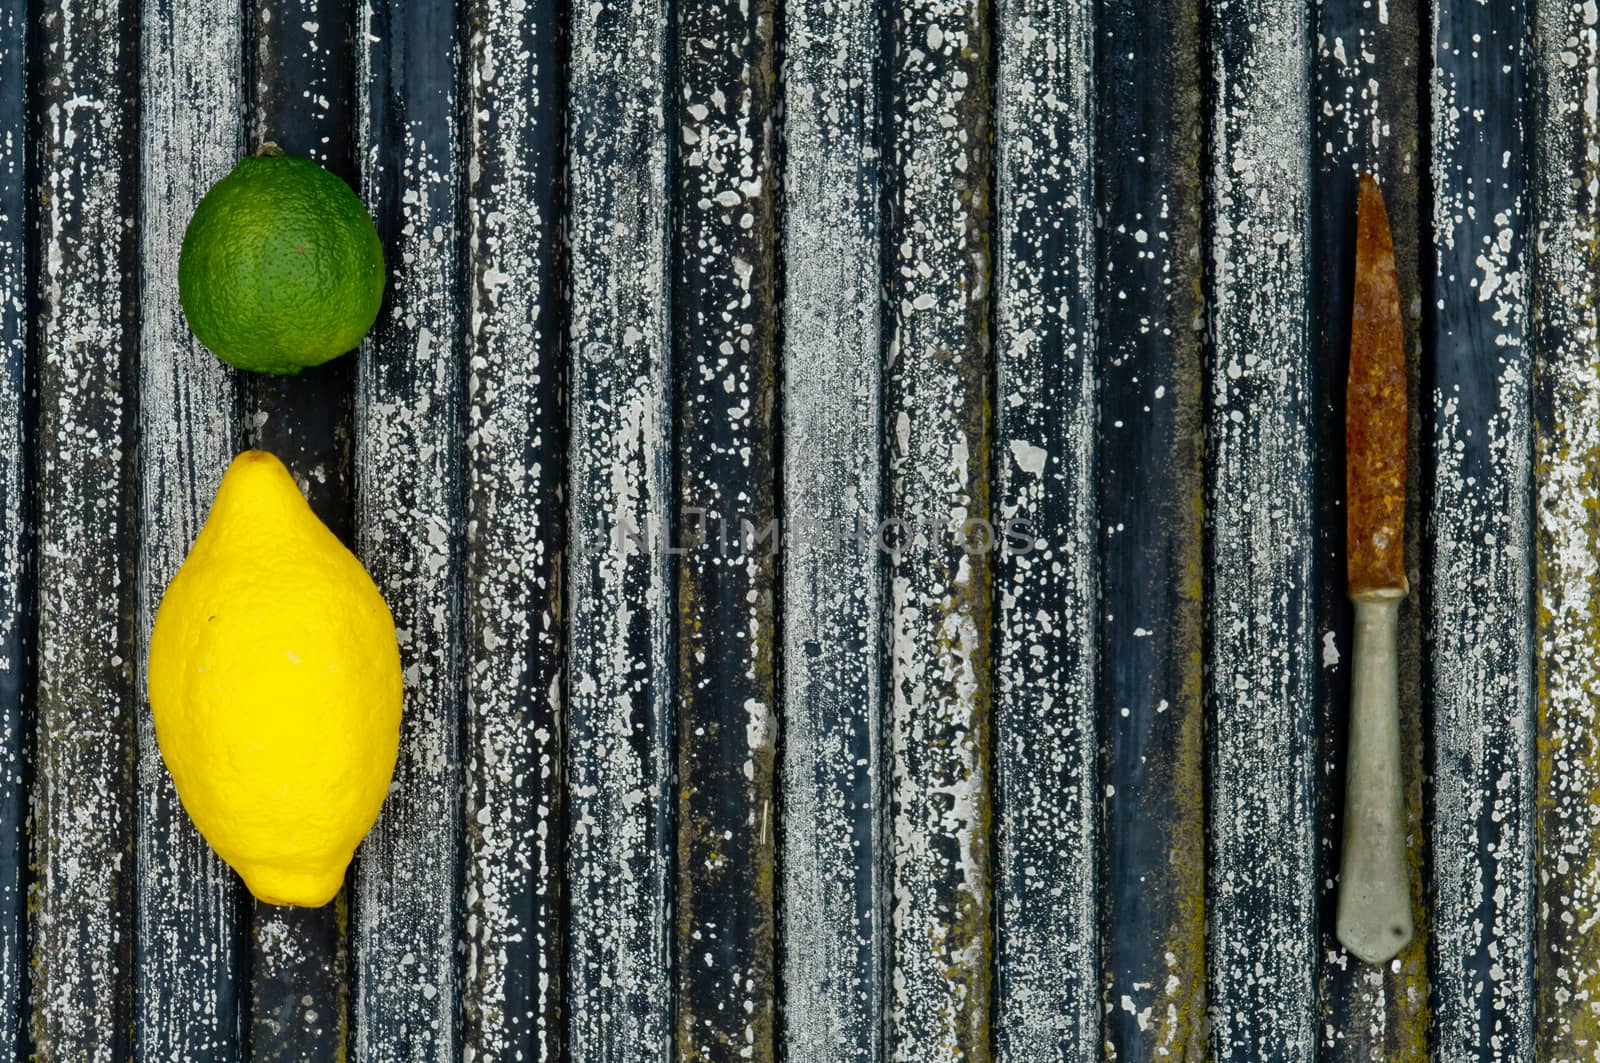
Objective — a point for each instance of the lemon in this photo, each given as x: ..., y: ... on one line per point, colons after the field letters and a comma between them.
x: 281, y: 266
x: 274, y: 678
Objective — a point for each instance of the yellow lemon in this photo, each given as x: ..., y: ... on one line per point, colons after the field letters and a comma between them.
x: 274, y: 679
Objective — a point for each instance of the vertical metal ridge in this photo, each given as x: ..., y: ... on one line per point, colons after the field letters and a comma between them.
x: 937, y: 380
x: 1477, y: 573
x: 1565, y: 297
x: 186, y: 981
x: 1150, y: 482
x: 299, y: 70
x: 1260, y: 624
x: 1367, y: 98
x: 84, y: 137
x: 406, y: 919
x: 619, y: 684
x: 516, y: 457
x: 1046, y: 565
x: 724, y: 316
x: 17, y: 593
x: 831, y: 833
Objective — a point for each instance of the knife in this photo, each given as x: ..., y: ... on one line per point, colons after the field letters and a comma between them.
x: 1374, y: 911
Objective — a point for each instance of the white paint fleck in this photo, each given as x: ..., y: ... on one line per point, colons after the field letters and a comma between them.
x: 1029, y: 458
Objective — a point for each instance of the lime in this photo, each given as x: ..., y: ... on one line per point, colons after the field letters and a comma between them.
x: 281, y: 266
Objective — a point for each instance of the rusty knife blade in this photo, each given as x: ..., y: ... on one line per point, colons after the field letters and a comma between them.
x: 1375, y: 409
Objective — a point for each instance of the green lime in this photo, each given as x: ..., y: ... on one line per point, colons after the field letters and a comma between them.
x: 281, y: 266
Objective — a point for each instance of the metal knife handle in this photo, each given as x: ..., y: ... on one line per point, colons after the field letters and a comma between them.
x: 1374, y: 918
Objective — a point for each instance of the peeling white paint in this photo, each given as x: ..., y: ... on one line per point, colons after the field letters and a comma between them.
x: 1029, y: 458
x: 406, y: 490
x: 191, y: 136
x: 14, y: 599
x: 1566, y: 292
x: 1259, y: 455
x: 1330, y: 650
x: 1479, y: 527
x: 831, y: 834
x: 84, y: 727
x: 618, y: 985
x: 938, y: 611
x: 1047, y: 999
x: 512, y: 588
x: 726, y: 345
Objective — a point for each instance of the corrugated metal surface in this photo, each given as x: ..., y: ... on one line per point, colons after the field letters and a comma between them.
x: 678, y: 780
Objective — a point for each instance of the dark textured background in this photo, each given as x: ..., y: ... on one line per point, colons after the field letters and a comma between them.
x: 1082, y: 262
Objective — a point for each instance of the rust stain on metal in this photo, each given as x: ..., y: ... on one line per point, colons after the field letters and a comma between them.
x: 1375, y: 407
